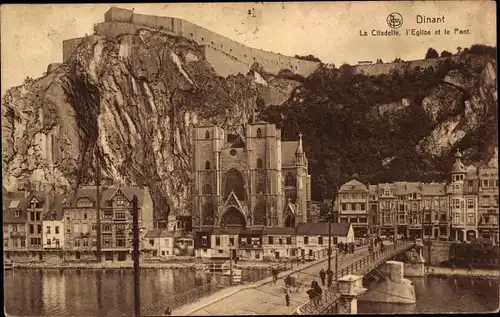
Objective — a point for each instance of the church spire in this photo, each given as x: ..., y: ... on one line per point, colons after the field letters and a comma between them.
x: 300, y: 149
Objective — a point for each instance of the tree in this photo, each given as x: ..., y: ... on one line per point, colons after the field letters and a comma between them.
x: 379, y: 61
x: 309, y: 57
x: 431, y: 53
x: 459, y: 49
x: 446, y: 54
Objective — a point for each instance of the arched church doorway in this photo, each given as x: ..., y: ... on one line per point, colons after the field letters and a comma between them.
x: 233, y: 218
x: 234, y: 182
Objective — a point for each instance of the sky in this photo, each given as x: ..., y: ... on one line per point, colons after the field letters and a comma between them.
x: 32, y: 35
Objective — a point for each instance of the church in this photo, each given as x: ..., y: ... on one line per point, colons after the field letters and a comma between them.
x: 247, y: 181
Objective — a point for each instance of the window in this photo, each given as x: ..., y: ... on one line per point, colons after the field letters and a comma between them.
x: 217, y: 240
x: 344, y: 206
x: 120, y: 214
x: 106, y: 227
x: 85, y: 242
x: 207, y: 189
x: 362, y: 220
x: 204, y: 241
x: 306, y: 240
x: 280, y: 241
x: 289, y: 240
x: 85, y: 215
x: 469, y: 185
x: 456, y: 217
x: 231, y: 241
x: 387, y: 192
x: 259, y: 133
x: 456, y: 189
x: 48, y: 229
x: 207, y: 133
x: 270, y: 240
x: 456, y: 203
x: 470, y: 203
x: 48, y: 242
x: 94, y: 227
x: 363, y: 206
x: 57, y: 229
x: 17, y: 213
x: 108, y: 214
x: 320, y: 240
x: 470, y: 218
x: 77, y: 243
x: 485, y: 183
x: 401, y: 207
x: 39, y: 228
x: 259, y: 163
x: 207, y: 165
x: 57, y: 243
x: 120, y: 241
x: 76, y: 228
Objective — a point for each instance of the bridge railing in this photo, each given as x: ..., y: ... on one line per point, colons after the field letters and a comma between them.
x: 327, y: 303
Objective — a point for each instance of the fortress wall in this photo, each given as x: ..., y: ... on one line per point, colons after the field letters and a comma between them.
x: 118, y: 15
x: 378, y: 69
x: 223, y: 64
x: 219, y: 49
x: 69, y: 46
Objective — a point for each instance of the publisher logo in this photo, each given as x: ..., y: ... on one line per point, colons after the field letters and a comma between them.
x: 394, y: 20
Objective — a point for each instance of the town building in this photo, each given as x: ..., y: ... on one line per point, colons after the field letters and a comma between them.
x: 53, y: 230
x: 159, y: 243
x: 312, y: 237
x: 15, y: 225
x: 488, y: 203
x: 278, y: 243
x: 246, y: 180
x: 38, y: 203
x: 462, y: 209
x: 116, y: 221
x: 353, y: 200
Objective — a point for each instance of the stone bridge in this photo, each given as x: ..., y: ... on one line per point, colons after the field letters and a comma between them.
x: 264, y: 298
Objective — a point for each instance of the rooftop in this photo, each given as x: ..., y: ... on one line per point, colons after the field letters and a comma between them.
x: 353, y: 185
x: 321, y: 228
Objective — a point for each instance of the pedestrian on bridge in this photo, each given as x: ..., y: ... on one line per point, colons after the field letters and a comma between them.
x: 322, y: 276
x: 329, y: 273
x: 168, y: 311
x: 287, y: 295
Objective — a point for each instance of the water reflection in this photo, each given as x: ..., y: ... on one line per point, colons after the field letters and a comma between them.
x: 441, y: 295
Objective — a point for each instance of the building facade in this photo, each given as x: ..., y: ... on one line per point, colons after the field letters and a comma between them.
x: 354, y: 208
x: 38, y: 204
x: 488, y: 203
x: 15, y: 225
x: 53, y: 229
x: 80, y: 215
x: 312, y: 237
x: 462, y: 209
x: 247, y: 181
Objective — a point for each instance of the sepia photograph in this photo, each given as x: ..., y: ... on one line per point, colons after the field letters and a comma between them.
x: 250, y: 158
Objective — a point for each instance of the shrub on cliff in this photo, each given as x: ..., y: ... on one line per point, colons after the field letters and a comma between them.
x: 431, y: 53
x: 309, y: 57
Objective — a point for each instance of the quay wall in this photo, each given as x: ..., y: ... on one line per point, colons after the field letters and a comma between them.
x: 439, y: 252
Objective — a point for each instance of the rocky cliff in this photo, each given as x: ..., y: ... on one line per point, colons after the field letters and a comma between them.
x: 127, y: 103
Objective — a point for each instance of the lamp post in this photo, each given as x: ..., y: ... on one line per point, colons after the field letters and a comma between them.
x: 230, y: 264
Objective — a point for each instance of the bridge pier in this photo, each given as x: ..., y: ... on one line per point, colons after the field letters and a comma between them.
x: 394, y: 288
x: 350, y: 288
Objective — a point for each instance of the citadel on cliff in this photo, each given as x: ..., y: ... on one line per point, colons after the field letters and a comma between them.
x: 227, y: 57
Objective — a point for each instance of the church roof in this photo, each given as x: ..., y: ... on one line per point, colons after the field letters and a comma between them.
x: 353, y: 185
x: 288, y: 149
x: 321, y: 228
x: 434, y: 189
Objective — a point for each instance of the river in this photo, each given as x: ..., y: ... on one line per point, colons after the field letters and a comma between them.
x: 443, y: 295
x: 95, y: 293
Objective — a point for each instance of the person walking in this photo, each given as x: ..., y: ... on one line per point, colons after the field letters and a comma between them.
x: 275, y: 276
x: 322, y: 276
x: 329, y: 273
x: 168, y: 311
x: 319, y: 291
x: 287, y: 295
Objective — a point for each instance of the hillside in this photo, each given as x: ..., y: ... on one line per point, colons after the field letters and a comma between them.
x: 401, y: 125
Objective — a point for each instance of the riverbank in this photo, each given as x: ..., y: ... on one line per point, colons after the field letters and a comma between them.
x: 439, y: 271
x: 130, y: 265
